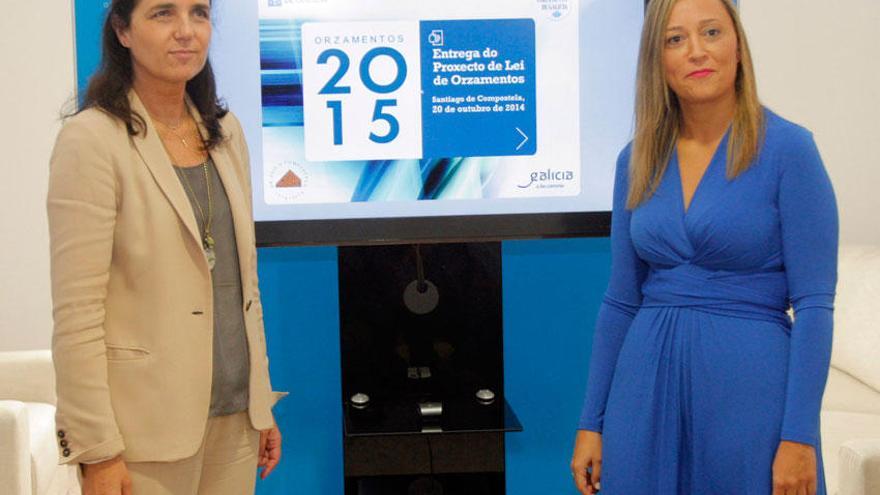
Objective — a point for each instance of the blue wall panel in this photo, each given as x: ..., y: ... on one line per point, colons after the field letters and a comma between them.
x: 301, y: 311
x: 552, y: 290
x: 88, y: 21
x: 551, y: 293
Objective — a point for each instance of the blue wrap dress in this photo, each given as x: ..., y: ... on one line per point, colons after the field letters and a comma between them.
x: 697, y: 371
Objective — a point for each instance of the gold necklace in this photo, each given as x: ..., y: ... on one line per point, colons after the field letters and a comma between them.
x: 173, y: 130
x: 180, y: 138
x: 207, y: 239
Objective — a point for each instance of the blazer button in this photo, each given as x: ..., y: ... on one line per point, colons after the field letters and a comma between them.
x: 60, y: 433
x: 66, y: 453
x: 64, y: 443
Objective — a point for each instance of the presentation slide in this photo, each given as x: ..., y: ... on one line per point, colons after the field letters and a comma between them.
x: 395, y: 108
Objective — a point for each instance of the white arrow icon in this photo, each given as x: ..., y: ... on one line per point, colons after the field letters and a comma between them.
x: 525, y: 138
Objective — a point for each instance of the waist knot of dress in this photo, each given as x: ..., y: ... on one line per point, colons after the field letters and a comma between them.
x: 753, y: 295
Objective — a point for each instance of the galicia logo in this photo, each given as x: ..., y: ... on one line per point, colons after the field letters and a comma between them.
x: 547, y: 179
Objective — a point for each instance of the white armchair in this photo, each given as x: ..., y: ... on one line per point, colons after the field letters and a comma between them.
x: 851, y: 408
x: 28, y: 451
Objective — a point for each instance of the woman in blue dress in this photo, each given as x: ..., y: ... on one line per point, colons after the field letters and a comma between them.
x: 723, y: 219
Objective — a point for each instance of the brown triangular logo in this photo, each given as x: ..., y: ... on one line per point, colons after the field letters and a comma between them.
x: 290, y: 179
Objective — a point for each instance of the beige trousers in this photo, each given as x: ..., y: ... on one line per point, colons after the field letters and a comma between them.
x: 226, y: 464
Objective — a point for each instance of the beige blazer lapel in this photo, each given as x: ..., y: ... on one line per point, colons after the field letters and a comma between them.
x: 241, y: 218
x: 229, y: 173
x: 152, y: 152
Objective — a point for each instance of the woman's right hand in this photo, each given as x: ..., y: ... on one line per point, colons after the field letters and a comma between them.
x: 586, y: 462
x: 106, y: 478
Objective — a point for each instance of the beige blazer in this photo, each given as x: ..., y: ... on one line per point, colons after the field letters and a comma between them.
x: 132, y: 295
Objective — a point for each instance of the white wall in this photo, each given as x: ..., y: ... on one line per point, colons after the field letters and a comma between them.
x: 36, y: 50
x: 818, y: 64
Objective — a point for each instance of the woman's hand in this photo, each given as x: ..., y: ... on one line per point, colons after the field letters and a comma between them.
x: 106, y: 478
x: 270, y: 450
x: 794, y: 469
x: 586, y: 462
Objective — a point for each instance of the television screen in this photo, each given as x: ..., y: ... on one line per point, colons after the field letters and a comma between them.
x: 402, y: 120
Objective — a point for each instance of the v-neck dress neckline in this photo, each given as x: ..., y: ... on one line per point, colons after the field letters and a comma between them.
x: 718, y: 155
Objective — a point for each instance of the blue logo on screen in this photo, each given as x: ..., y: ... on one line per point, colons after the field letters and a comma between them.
x: 274, y: 3
x: 436, y: 37
x: 549, y: 178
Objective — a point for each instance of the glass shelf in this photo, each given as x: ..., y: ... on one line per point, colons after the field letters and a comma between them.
x: 402, y: 417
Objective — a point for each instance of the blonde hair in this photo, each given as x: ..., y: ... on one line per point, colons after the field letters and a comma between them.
x: 658, y: 113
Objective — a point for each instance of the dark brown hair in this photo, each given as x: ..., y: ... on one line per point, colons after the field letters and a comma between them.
x: 108, y: 88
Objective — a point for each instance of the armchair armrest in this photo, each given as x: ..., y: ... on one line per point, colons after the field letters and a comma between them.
x: 15, y: 449
x: 860, y: 467
x: 27, y: 376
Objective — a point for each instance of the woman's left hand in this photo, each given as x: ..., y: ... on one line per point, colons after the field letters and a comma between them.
x: 270, y: 450
x: 794, y: 469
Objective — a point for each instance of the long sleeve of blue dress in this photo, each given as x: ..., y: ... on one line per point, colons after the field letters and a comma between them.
x: 808, y: 219
x: 621, y: 302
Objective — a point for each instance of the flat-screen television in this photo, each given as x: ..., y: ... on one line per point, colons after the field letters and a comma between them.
x: 374, y: 121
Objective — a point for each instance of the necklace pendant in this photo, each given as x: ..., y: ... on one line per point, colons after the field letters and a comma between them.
x: 211, y: 256
x: 208, y: 245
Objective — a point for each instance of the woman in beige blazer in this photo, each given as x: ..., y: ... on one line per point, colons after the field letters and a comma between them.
x: 162, y: 375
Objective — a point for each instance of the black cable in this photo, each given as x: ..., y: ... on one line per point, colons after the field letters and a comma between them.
x: 420, y: 271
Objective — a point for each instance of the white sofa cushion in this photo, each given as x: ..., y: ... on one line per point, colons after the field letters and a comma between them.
x: 839, y: 427
x: 14, y: 463
x: 845, y: 393
x: 856, y: 326
x: 860, y: 467
x: 44, y: 451
x: 27, y: 376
